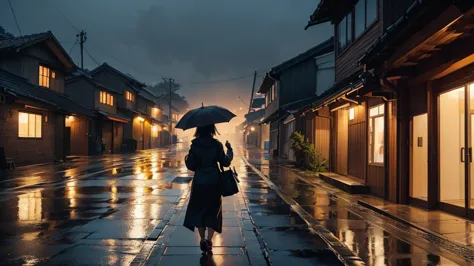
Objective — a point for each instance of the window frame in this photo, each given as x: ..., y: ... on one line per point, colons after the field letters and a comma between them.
x: 129, y: 96
x: 367, y: 26
x: 106, y: 98
x: 28, y: 123
x: 371, y: 134
x: 49, y: 78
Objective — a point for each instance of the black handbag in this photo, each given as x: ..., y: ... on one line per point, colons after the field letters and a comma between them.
x: 229, y: 182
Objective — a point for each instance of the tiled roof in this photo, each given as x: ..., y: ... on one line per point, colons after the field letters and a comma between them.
x: 150, y: 96
x: 21, y: 87
x: 16, y: 43
x: 320, y: 49
x: 326, y: 9
x: 87, y: 77
x: 124, y: 75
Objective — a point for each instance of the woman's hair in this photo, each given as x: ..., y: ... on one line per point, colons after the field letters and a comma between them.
x: 204, y: 131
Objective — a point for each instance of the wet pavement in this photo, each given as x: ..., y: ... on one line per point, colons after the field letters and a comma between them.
x: 368, y: 235
x: 258, y: 228
x: 88, y: 211
x: 129, y: 210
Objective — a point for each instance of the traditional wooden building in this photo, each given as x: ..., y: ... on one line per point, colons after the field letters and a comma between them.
x: 362, y: 112
x: 426, y: 58
x: 287, y: 88
x: 133, y: 103
x: 106, y: 130
x: 34, y: 109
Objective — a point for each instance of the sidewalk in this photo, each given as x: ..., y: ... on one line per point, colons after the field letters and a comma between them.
x: 260, y: 229
x: 237, y: 245
x: 455, y: 229
x: 449, y: 236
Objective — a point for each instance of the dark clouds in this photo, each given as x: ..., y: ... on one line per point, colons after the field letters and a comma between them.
x: 192, y: 41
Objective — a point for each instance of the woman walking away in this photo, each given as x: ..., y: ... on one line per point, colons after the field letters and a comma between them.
x: 205, y: 205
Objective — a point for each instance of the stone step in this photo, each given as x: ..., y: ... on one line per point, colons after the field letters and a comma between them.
x: 345, y: 183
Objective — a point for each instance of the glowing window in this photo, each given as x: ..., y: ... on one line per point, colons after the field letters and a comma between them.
x: 106, y: 98
x: 29, y: 125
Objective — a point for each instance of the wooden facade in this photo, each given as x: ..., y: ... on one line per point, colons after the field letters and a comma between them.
x: 37, y: 122
x: 364, y: 135
x: 430, y: 124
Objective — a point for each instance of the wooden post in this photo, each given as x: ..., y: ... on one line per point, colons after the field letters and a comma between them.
x: 403, y: 148
x: 433, y: 178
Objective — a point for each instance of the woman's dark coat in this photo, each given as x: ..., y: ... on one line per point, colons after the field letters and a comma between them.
x: 205, y: 204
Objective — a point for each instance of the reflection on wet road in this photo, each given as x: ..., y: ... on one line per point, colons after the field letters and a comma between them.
x: 89, y: 210
x: 367, y: 239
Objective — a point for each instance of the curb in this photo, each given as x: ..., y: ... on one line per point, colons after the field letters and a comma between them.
x: 343, y: 253
x: 432, y: 236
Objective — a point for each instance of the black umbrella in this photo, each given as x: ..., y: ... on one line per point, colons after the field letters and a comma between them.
x: 204, y: 116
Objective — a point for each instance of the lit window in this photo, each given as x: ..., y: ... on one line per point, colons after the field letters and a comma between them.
x: 106, y: 98
x: 44, y: 76
x: 376, y: 134
x: 29, y: 125
x: 129, y: 96
x: 351, y: 114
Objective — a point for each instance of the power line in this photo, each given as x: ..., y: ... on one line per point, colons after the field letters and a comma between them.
x: 93, y: 59
x: 64, y: 16
x: 14, y: 16
x: 222, y: 80
x: 74, y: 45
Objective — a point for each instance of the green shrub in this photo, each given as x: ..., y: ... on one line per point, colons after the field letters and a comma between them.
x: 317, y: 162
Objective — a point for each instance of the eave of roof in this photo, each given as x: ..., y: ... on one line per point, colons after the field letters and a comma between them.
x: 325, y: 11
x: 93, y: 82
x: 266, y: 84
x: 323, y: 48
x: 125, y: 76
x: 22, y: 87
x: 416, y: 16
x: 22, y: 42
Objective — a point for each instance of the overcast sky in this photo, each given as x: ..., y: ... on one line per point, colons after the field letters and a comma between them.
x: 193, y: 41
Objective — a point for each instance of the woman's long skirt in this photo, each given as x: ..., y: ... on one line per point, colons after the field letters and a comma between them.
x: 205, y: 207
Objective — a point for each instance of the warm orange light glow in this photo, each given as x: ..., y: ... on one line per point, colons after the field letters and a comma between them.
x: 23, y: 117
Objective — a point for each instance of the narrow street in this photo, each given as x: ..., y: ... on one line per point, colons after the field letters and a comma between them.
x: 129, y: 209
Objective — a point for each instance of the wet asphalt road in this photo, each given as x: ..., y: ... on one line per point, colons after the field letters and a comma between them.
x: 87, y: 211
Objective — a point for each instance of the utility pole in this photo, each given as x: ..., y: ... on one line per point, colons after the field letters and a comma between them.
x: 253, y: 89
x: 170, y: 82
x: 82, y: 39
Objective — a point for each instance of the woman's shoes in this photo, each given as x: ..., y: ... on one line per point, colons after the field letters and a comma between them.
x: 206, y: 245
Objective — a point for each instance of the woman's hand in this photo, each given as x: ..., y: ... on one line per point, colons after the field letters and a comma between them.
x: 227, y: 145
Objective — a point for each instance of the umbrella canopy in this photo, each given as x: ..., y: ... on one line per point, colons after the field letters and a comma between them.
x: 204, y: 116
